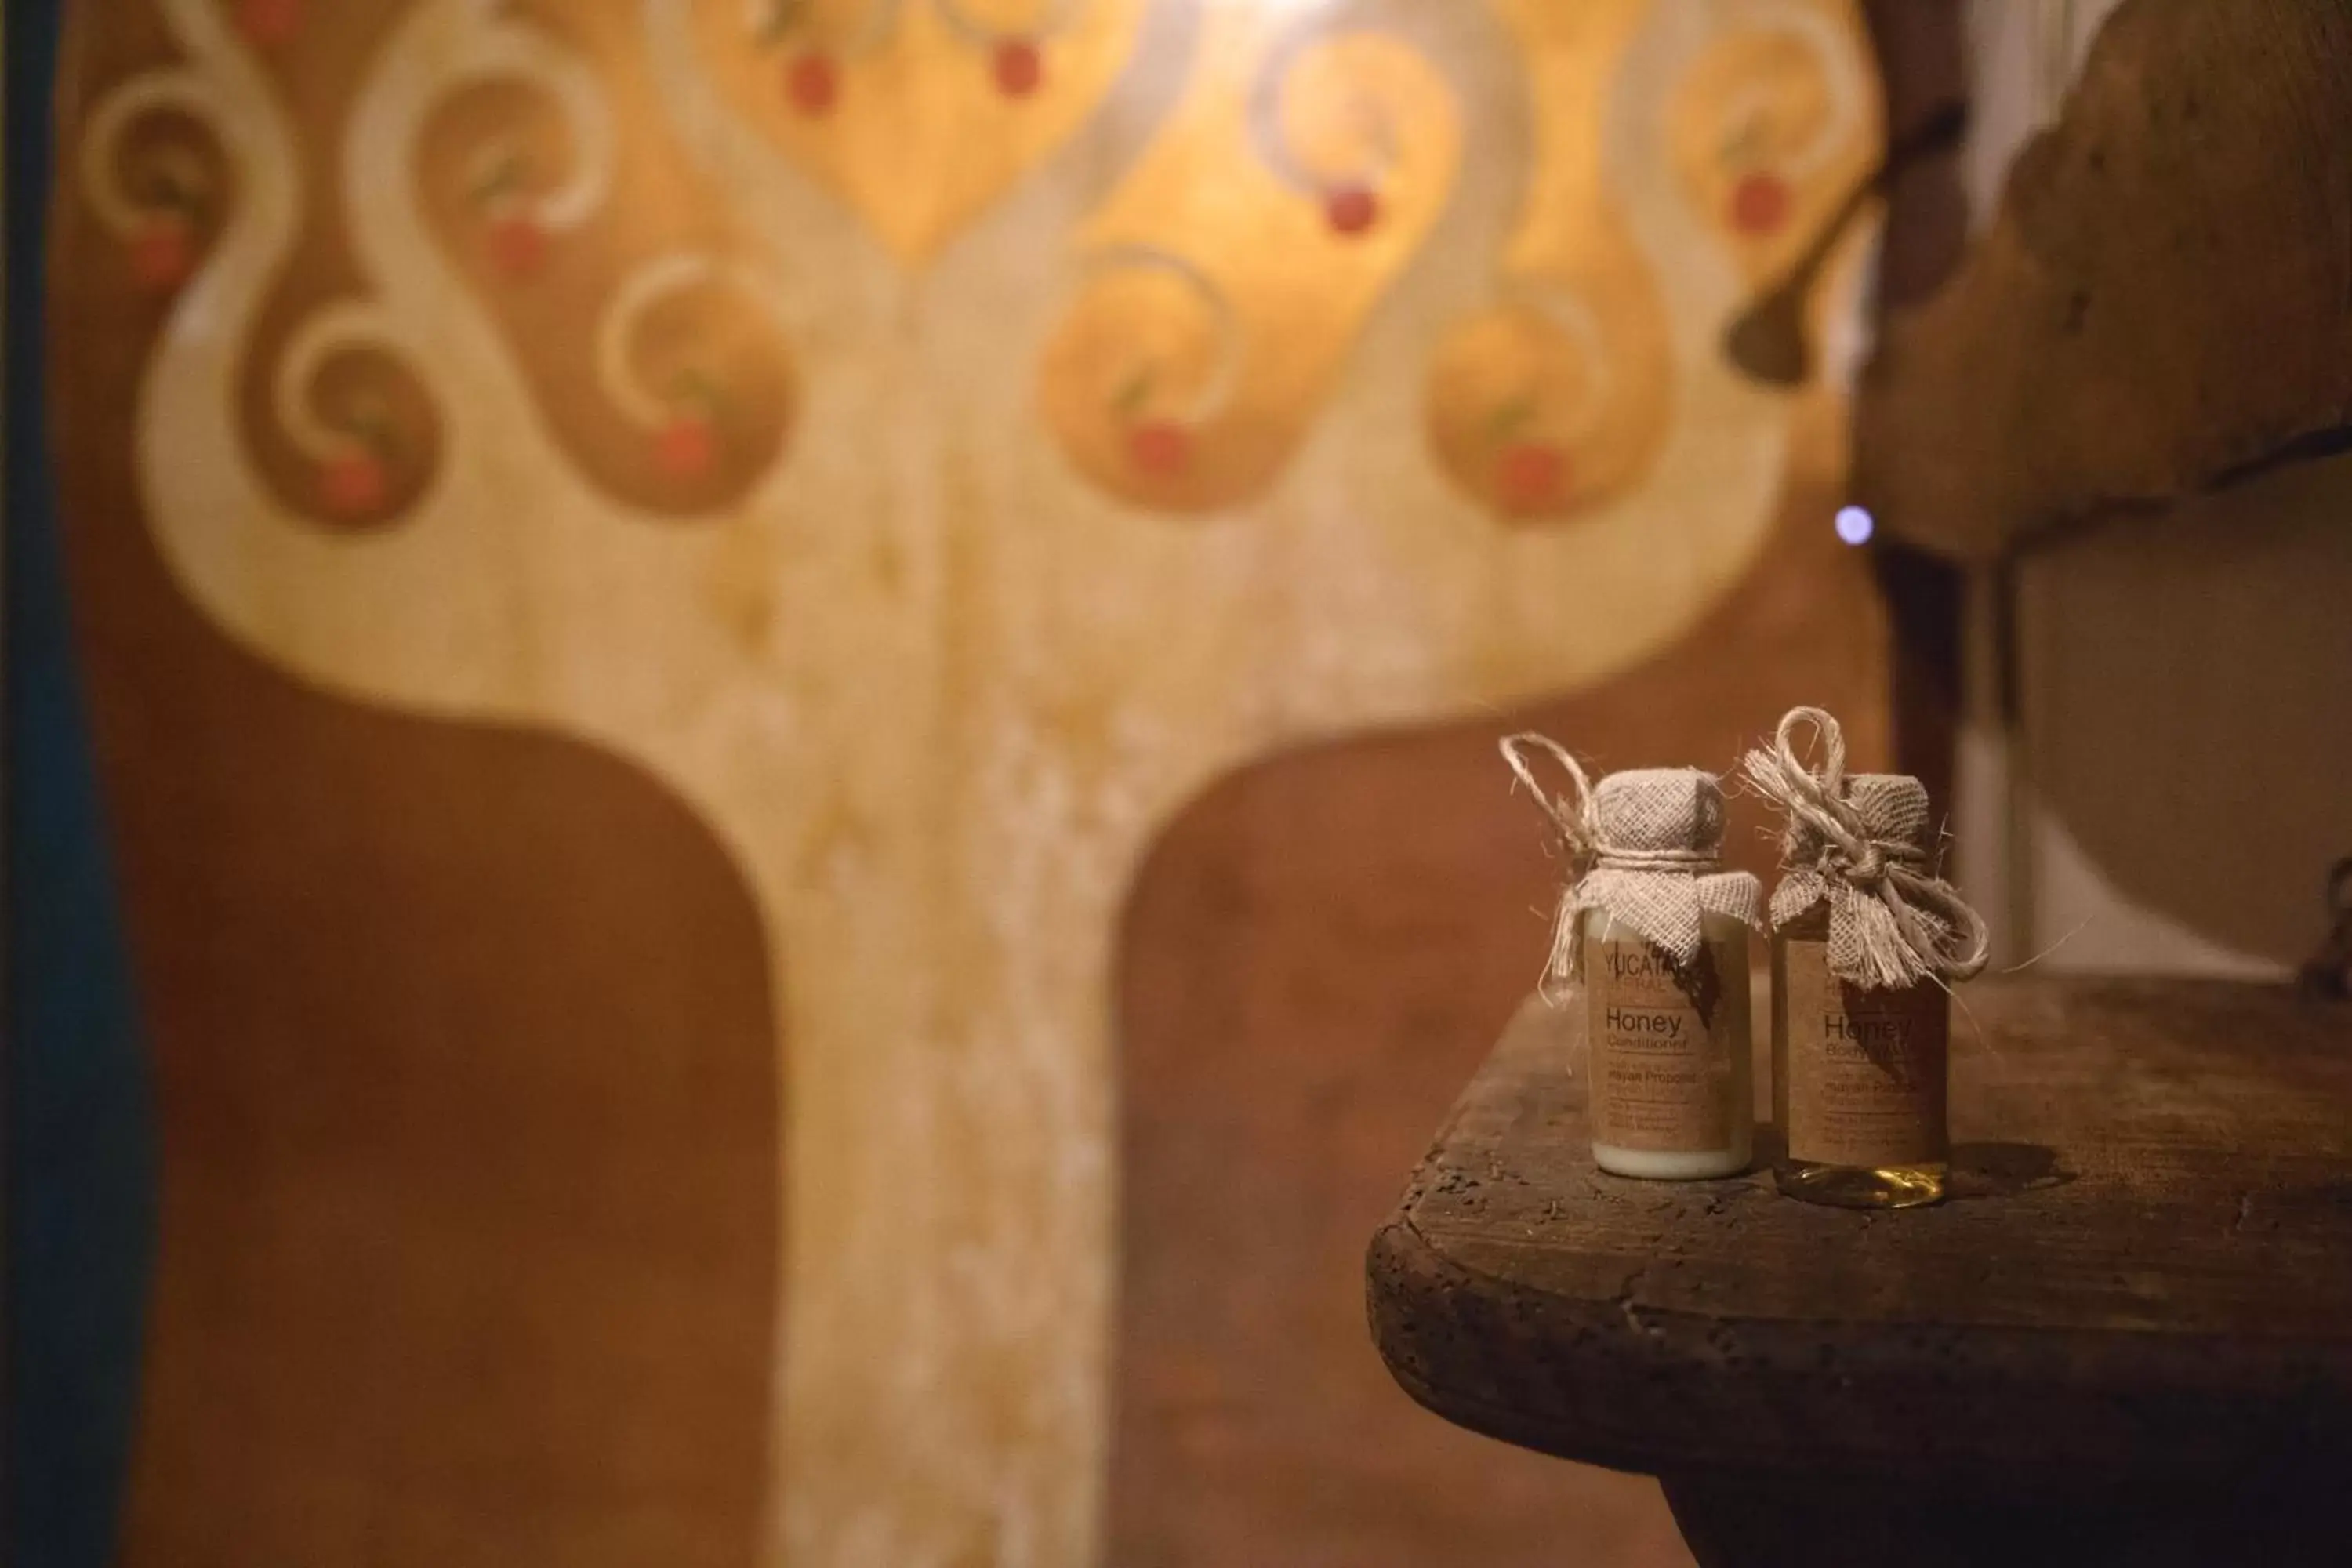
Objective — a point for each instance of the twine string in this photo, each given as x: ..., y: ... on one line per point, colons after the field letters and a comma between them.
x: 1930, y: 931
x: 1578, y: 820
x: 1577, y: 817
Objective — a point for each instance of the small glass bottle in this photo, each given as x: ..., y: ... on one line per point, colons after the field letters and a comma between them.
x: 1663, y: 960
x: 1669, y: 1051
x: 1859, y: 1075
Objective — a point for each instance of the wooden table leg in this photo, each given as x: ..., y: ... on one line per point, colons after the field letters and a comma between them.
x: 1733, y: 1520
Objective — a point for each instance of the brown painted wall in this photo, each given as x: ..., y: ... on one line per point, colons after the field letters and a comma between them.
x: 465, y: 1083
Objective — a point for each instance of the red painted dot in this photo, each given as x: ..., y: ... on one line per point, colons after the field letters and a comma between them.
x: 1530, y: 476
x: 1160, y: 448
x: 813, y: 83
x: 518, y: 243
x: 163, y: 252
x: 687, y: 447
x: 1020, y: 68
x: 1352, y: 209
x: 268, y: 23
x: 354, y: 485
x: 1759, y: 205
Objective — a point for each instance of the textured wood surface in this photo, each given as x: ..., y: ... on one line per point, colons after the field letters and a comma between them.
x: 2164, y: 297
x: 2147, y: 1265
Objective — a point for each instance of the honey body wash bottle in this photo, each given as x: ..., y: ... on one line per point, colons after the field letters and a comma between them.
x: 1867, y: 940
x: 1652, y: 943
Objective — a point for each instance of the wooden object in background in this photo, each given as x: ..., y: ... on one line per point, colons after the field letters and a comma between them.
x: 2164, y: 298
x: 2127, y: 1338
x: 1923, y: 69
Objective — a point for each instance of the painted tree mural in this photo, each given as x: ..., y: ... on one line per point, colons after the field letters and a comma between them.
x: 935, y: 438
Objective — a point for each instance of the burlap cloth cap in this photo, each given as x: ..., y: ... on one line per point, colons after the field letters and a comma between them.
x: 1864, y: 844
x: 1644, y: 847
x: 1657, y: 836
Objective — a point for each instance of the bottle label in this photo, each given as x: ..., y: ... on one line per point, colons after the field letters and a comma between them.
x: 1661, y: 1048
x: 1866, y: 1069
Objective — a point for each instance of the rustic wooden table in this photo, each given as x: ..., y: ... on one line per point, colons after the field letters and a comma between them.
x: 2128, y: 1337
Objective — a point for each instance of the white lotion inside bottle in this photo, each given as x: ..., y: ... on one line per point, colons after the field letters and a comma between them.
x: 1669, y: 1060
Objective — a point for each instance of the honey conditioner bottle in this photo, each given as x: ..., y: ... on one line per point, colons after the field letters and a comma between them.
x: 1652, y: 942
x: 1867, y: 940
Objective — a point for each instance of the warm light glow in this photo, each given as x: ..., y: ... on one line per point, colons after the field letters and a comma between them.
x: 1854, y: 525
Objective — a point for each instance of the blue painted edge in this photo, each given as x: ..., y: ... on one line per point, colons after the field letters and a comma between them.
x: 81, y: 1156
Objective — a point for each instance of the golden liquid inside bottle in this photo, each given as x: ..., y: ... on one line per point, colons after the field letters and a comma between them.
x: 1887, y: 1084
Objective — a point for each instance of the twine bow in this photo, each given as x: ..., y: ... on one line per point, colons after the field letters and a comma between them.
x: 1893, y: 923
x: 1659, y: 891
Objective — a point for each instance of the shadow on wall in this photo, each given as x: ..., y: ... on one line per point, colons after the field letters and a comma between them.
x: 2185, y: 682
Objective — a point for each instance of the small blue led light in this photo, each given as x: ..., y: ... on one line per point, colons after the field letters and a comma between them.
x: 1855, y: 525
